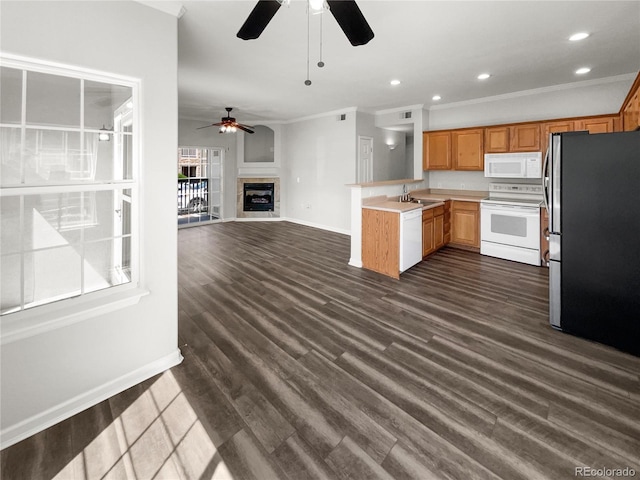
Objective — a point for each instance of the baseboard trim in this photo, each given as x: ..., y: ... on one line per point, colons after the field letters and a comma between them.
x: 15, y: 433
x: 355, y: 263
x: 317, y: 225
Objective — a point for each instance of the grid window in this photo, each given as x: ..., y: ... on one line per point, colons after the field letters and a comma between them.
x: 67, y: 182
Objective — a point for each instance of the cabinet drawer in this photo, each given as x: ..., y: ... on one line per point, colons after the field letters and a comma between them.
x: 438, y: 211
x: 460, y: 205
x: 427, y: 214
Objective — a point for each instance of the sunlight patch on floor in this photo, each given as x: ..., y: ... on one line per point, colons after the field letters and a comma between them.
x: 159, y: 436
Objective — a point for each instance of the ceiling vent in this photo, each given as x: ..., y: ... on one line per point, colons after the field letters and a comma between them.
x: 342, y: 117
x: 405, y: 115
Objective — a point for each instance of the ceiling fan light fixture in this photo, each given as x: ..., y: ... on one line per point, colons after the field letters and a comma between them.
x: 316, y: 5
x: 578, y: 36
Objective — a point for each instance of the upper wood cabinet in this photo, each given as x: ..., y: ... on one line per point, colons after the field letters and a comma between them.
x: 596, y: 124
x: 468, y: 152
x: 496, y: 139
x: 524, y: 137
x: 630, y: 111
x: 436, y: 154
x: 555, y: 127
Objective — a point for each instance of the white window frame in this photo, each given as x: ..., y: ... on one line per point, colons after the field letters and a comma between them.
x: 57, y: 314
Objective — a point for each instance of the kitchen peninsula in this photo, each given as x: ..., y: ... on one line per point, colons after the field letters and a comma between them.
x: 448, y: 216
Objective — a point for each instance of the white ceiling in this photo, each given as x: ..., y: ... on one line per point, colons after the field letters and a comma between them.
x: 432, y: 47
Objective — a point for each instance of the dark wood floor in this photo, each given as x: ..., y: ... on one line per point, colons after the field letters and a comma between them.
x: 298, y: 366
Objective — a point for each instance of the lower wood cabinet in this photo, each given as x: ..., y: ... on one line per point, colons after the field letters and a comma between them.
x: 433, y: 230
x: 465, y: 223
x: 381, y: 241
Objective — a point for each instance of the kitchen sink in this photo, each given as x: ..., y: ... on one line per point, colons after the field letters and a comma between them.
x: 424, y: 202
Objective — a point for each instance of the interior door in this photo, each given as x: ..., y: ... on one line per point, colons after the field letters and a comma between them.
x: 365, y: 160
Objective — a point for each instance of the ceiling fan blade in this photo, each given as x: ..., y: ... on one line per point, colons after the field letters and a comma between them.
x: 258, y: 19
x: 242, y: 127
x: 207, y: 126
x: 351, y: 20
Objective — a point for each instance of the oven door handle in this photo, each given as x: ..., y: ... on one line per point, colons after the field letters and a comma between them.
x: 512, y: 208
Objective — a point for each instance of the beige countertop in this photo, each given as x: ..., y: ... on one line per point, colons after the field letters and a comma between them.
x: 390, y: 205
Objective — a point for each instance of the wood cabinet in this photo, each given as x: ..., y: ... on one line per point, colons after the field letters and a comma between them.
x: 596, y: 124
x: 465, y: 223
x: 524, y: 137
x: 468, y: 150
x: 381, y: 241
x: 555, y: 127
x: 496, y: 139
x: 447, y: 222
x: 436, y: 153
x: 433, y: 229
x: 631, y: 113
x: 428, y: 239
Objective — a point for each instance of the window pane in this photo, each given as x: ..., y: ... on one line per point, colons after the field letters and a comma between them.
x: 101, y: 100
x: 10, y: 95
x: 10, y: 280
x: 51, y: 275
x: 10, y: 225
x: 55, y: 157
x: 54, y: 219
x: 53, y: 100
x: 107, y: 264
x: 10, y: 155
x: 103, y: 221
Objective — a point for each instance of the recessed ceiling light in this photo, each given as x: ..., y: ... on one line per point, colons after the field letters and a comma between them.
x: 483, y: 76
x: 436, y: 97
x: 583, y: 70
x: 578, y: 36
x: 395, y: 82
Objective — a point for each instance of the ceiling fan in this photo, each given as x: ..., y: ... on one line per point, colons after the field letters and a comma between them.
x: 346, y: 12
x: 228, y: 124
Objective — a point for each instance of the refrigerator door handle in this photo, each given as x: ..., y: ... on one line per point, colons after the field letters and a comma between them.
x: 545, y: 179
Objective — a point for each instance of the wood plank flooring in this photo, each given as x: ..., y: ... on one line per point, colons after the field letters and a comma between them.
x: 298, y: 366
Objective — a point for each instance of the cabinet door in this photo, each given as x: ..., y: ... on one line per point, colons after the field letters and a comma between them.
x: 596, y: 125
x: 436, y: 151
x: 496, y: 140
x: 555, y: 127
x: 438, y: 231
x: 468, y: 153
x: 428, y: 245
x: 631, y: 115
x: 465, y: 224
x: 525, y: 138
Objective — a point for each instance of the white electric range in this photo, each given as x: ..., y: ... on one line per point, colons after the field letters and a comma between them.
x: 510, y: 222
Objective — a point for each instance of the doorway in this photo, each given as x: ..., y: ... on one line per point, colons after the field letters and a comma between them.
x: 199, y: 185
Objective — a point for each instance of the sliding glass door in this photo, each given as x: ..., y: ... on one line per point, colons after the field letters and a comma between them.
x: 199, y: 185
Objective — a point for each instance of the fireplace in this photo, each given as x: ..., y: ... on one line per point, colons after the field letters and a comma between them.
x: 259, y: 197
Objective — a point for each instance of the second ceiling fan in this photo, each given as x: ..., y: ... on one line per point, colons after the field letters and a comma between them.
x: 346, y: 12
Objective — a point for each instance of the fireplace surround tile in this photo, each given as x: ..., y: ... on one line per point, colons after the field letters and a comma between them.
x: 240, y: 213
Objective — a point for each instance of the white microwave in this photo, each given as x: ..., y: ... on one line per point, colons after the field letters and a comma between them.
x: 513, y: 165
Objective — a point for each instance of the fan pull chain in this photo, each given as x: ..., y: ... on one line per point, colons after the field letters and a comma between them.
x: 321, y: 63
x: 307, y: 82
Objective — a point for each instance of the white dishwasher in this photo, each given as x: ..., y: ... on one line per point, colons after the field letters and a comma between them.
x: 410, y: 238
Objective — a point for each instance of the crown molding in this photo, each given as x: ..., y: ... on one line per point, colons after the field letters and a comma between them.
x: 537, y: 91
x: 173, y: 8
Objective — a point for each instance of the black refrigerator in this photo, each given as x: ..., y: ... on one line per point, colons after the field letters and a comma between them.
x: 592, y: 193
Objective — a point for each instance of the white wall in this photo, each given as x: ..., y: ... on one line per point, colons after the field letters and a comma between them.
x: 318, y: 160
x: 49, y: 376
x: 190, y: 136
